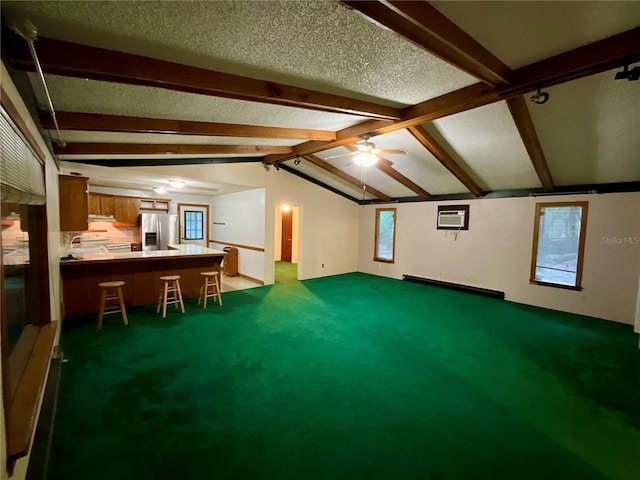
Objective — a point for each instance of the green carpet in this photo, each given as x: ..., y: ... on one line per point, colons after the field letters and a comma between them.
x: 348, y: 377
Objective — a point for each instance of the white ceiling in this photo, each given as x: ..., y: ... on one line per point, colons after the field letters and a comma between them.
x: 587, y: 130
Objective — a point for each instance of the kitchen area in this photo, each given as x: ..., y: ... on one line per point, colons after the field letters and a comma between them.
x: 107, y: 237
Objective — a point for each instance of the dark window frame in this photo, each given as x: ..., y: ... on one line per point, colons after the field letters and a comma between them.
x: 187, y: 222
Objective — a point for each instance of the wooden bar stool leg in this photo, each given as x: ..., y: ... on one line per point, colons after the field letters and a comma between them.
x: 215, y: 279
x: 180, y: 295
x: 124, y: 311
x: 103, y: 300
x: 206, y: 291
x: 164, y: 302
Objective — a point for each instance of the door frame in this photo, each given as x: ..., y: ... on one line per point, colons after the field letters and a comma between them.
x: 206, y: 220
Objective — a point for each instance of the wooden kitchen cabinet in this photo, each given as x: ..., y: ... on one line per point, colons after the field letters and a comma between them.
x: 127, y: 210
x: 74, y: 207
x: 100, y: 204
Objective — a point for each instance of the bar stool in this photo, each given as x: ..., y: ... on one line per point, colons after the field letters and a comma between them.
x: 111, y: 291
x: 210, y: 288
x: 170, y: 293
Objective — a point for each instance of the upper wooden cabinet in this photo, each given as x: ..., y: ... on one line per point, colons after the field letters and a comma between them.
x: 127, y: 210
x: 100, y: 204
x: 73, y: 203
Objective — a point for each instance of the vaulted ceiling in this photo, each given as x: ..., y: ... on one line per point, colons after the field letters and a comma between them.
x: 292, y: 84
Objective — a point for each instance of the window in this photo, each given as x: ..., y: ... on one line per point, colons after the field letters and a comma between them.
x: 385, y: 241
x: 558, y: 244
x: 25, y: 317
x: 193, y: 225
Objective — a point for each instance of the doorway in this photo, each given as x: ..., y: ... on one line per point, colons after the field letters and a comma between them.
x: 286, y: 247
x: 193, y: 219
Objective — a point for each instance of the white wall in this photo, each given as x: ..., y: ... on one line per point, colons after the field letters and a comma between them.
x: 328, y: 222
x: 495, y: 252
x: 53, y: 219
x: 239, y: 218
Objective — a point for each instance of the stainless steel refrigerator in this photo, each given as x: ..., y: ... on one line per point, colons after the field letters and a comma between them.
x: 158, y: 230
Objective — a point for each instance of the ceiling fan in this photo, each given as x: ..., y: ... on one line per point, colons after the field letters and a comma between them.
x: 367, y: 153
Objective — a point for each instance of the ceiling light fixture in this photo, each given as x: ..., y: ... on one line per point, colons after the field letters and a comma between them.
x: 540, y: 97
x: 159, y: 189
x: 285, y: 208
x: 626, y: 74
x: 177, y: 183
x: 365, y: 159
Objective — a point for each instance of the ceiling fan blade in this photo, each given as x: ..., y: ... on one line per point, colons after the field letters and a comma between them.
x: 393, y: 151
x: 342, y: 155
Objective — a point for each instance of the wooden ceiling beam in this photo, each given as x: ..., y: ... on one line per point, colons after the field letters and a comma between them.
x: 581, y: 62
x: 385, y: 167
x: 95, y: 122
x: 445, y: 159
x: 160, y: 149
x: 524, y: 124
x: 74, y: 60
x: 425, y: 26
x: 345, y: 176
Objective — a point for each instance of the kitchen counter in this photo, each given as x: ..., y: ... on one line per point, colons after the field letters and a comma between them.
x: 181, y: 250
x: 139, y: 270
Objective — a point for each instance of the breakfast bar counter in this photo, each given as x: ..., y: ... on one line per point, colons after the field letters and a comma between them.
x: 139, y: 270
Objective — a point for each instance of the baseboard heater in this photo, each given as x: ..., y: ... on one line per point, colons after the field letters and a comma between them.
x: 455, y: 286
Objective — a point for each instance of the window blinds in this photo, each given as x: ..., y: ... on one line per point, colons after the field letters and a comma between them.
x: 21, y: 173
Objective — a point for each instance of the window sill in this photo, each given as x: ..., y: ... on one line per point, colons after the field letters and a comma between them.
x: 556, y: 285
x: 383, y: 260
x: 26, y: 401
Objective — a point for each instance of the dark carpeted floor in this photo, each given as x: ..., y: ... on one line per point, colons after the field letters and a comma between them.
x: 348, y: 377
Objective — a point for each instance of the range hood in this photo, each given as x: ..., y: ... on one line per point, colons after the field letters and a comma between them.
x: 101, y: 218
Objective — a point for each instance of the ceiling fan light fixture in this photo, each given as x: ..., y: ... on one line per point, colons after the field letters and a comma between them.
x: 159, y: 189
x: 365, y: 159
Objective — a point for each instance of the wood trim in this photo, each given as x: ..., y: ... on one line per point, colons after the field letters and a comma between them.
x: 420, y: 134
x: 198, y: 205
x: 426, y: 27
x: 58, y: 57
x: 14, y: 114
x: 317, y: 182
x: 95, y: 122
x: 164, y: 148
x: 25, y: 403
x: 385, y: 167
x: 237, y: 245
x: 345, y: 176
x: 375, y: 242
x: 581, y: 243
x: 524, y: 124
x: 242, y: 275
x: 600, y: 56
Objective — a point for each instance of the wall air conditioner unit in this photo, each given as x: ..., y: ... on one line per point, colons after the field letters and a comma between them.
x: 451, y: 219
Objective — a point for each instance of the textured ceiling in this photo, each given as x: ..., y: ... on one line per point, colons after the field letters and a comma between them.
x: 588, y: 130
x: 520, y: 33
x: 77, y: 95
x: 320, y: 45
x: 486, y: 141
